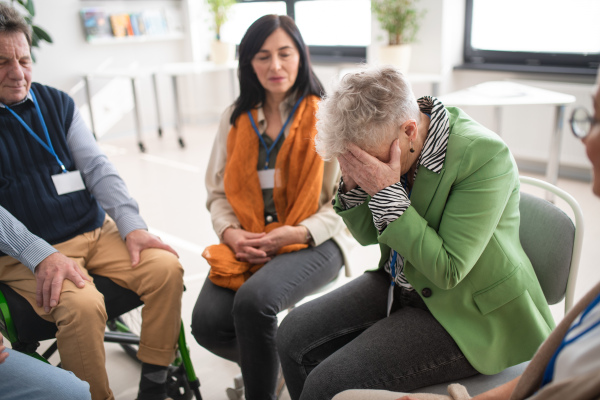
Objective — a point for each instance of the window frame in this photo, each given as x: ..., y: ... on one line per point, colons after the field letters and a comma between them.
x: 324, y: 54
x: 560, y: 63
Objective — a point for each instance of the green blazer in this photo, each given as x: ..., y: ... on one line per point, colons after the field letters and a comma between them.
x: 460, y: 242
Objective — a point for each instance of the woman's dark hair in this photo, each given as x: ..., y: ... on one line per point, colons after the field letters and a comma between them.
x: 252, y: 92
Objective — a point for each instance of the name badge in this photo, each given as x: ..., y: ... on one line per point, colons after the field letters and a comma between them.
x: 69, y: 182
x: 267, y: 178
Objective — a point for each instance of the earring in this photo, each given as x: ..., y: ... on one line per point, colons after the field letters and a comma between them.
x: 412, y: 149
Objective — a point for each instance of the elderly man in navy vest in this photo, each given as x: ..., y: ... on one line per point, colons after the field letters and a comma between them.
x: 65, y: 213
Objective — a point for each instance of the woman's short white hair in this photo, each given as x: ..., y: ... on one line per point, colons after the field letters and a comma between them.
x: 366, y: 108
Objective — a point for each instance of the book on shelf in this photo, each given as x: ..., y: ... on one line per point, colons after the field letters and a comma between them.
x: 95, y: 23
x: 137, y: 24
x: 100, y: 24
x: 121, y: 25
x: 155, y: 22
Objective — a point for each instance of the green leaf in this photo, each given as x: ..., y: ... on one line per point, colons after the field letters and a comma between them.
x: 30, y: 7
x: 400, y: 18
x: 42, y: 34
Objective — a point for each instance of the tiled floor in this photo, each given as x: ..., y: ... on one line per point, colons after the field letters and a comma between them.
x: 168, y: 183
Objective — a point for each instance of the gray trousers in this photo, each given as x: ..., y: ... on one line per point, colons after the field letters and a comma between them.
x: 241, y: 326
x: 343, y: 340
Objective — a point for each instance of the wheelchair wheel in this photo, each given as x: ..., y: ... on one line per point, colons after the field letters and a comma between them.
x: 178, y: 387
x: 128, y: 322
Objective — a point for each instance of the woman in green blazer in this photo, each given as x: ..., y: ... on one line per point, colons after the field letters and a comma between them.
x: 454, y: 293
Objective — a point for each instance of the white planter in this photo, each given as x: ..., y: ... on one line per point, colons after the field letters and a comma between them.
x: 397, y: 55
x: 222, y: 52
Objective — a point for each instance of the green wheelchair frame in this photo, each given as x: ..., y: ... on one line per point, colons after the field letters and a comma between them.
x: 182, y: 383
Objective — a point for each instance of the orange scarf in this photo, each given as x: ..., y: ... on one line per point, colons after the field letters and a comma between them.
x: 298, y: 182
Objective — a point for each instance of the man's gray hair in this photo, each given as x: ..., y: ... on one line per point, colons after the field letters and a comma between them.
x: 12, y: 22
x: 366, y: 108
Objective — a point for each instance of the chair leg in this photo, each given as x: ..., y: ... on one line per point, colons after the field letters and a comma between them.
x: 193, y: 381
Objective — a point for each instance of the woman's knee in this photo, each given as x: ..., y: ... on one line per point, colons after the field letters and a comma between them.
x: 254, y: 303
x: 292, y: 334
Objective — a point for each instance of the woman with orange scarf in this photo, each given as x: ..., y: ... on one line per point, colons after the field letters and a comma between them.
x: 269, y: 195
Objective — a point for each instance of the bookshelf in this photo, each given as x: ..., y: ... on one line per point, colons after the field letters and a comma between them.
x: 136, y: 39
x: 112, y: 26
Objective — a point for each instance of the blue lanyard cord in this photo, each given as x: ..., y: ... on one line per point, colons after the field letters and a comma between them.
x: 262, y: 141
x: 393, y: 266
x: 549, y: 373
x: 48, y: 146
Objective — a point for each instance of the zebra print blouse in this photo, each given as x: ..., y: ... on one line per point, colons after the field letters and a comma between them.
x: 390, y: 203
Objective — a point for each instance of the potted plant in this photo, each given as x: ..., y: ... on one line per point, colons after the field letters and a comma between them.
x: 37, y: 33
x: 221, y: 52
x: 401, y: 19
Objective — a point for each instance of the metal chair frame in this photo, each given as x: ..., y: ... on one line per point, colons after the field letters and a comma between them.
x: 181, y: 372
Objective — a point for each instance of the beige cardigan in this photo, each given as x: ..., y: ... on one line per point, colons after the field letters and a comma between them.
x: 325, y: 224
x: 577, y: 388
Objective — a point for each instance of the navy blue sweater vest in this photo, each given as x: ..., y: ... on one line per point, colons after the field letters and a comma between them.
x: 26, y: 187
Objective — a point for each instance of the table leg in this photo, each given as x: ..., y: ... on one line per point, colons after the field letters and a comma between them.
x: 157, y: 99
x: 555, y: 145
x: 233, y: 84
x: 88, y: 96
x: 178, y: 118
x: 498, y: 118
x: 435, y: 89
x: 138, y: 116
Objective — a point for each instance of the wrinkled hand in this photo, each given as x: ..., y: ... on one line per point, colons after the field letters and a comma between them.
x: 273, y: 241
x: 140, y: 240
x: 50, y: 274
x: 367, y: 171
x: 3, y: 353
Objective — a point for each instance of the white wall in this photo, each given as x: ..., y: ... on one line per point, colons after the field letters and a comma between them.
x: 438, y: 50
x: 527, y: 130
x: 63, y: 63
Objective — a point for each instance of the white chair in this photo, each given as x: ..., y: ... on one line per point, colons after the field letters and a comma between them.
x: 552, y: 242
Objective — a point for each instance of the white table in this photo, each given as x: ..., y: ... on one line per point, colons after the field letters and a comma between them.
x: 174, y: 71
x: 128, y: 73
x: 506, y: 93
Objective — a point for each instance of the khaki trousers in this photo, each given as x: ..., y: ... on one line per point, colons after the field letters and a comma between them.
x: 81, y: 316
